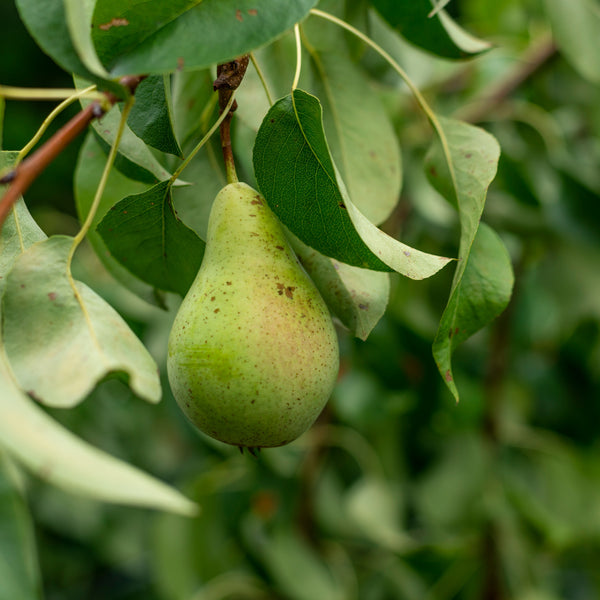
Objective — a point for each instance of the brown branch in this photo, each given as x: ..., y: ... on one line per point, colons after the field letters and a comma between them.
x: 229, y: 78
x: 30, y: 169
x: 536, y: 55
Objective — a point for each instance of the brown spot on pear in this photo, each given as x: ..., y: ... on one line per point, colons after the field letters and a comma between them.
x: 259, y: 373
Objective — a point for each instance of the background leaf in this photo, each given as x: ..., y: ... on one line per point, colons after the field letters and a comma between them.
x: 18, y: 568
x: 150, y: 117
x: 297, y: 177
x: 438, y: 34
x: 576, y: 28
x: 62, y: 338
x: 143, y: 233
x: 134, y: 37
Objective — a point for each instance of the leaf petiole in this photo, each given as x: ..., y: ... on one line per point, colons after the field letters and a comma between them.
x: 261, y: 76
x: 48, y: 120
x: 18, y: 93
x: 298, y: 56
x: 203, y: 141
x: 103, y: 180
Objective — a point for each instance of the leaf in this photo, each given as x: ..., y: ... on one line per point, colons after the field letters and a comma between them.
x: 373, y: 506
x: 79, y: 17
x: 194, y: 102
x: 46, y: 447
x: 150, y: 118
x: 297, y: 569
x: 61, y: 337
x: 437, y: 34
x: 357, y: 297
x: 50, y: 29
x: 61, y: 458
x: 483, y: 293
x: 90, y: 164
x: 137, y: 37
x: 361, y: 136
x: 195, y: 110
x: 143, y: 233
x: 19, y: 571
x: 19, y: 231
x: 296, y: 174
x: 461, y: 165
x: 576, y: 28
x: 134, y: 158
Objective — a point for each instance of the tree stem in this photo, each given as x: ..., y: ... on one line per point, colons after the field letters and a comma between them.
x: 229, y: 77
x: 535, y: 56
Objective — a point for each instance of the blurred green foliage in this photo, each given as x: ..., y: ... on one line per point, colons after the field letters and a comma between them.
x: 397, y: 492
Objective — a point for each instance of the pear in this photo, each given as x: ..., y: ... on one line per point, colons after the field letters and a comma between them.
x: 253, y: 353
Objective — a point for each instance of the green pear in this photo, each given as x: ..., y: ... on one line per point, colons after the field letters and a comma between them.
x: 253, y: 354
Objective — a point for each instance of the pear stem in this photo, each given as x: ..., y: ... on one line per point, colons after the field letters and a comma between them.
x: 229, y: 77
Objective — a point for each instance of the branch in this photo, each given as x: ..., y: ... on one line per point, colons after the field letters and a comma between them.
x: 29, y: 170
x: 229, y: 77
x: 535, y: 57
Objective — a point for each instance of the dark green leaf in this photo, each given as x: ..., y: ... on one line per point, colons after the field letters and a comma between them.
x: 150, y: 117
x: 361, y: 136
x: 297, y: 176
x: 61, y: 338
x: 438, y: 34
x: 49, y: 26
x: 19, y: 572
x: 143, y: 233
x: 138, y: 37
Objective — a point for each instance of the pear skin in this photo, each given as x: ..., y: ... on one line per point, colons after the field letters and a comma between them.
x: 253, y: 354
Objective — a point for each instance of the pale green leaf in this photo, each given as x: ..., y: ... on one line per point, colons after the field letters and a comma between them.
x: 357, y: 297
x: 78, y: 15
x: 61, y: 458
x: 297, y: 569
x: 461, y: 166
x: 61, y: 337
x: 576, y: 28
x: 373, y: 506
x: 19, y: 571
